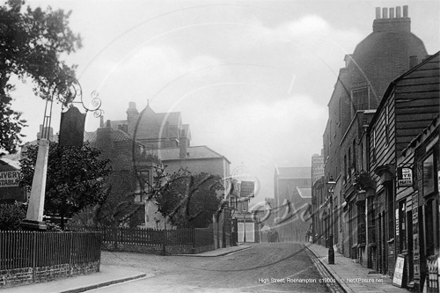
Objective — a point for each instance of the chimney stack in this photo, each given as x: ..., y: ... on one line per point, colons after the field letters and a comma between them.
x: 393, y: 23
x: 132, y: 114
x: 183, y: 145
x: 413, y: 61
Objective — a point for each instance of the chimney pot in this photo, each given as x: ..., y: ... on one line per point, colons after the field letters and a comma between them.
x: 398, y: 12
x: 377, y: 12
x: 413, y: 61
x: 132, y: 105
x: 405, y: 10
x: 384, y: 12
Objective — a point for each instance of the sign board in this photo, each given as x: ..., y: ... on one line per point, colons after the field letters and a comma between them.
x: 9, y: 178
x: 72, y: 128
x: 398, y: 271
x: 247, y: 188
x: 317, y: 168
x: 405, y: 177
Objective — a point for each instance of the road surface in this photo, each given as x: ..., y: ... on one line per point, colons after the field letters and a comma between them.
x: 266, y: 267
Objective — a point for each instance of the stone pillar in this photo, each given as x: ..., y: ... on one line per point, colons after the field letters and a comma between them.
x: 34, y: 215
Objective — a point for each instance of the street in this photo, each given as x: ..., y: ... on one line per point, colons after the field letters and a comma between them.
x: 265, y: 267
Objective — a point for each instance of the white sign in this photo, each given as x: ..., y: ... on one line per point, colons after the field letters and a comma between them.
x: 407, y: 178
x: 9, y: 178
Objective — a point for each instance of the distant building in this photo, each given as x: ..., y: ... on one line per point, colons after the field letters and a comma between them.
x: 160, y: 135
x: 292, y: 199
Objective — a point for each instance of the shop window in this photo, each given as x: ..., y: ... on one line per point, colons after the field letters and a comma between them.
x: 428, y: 175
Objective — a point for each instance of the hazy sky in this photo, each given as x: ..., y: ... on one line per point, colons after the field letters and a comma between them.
x: 252, y: 78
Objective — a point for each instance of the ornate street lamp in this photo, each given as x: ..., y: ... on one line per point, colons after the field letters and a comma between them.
x: 65, y: 90
x: 331, y: 252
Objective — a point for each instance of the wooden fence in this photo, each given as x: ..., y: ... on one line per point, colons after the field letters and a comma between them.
x: 21, y: 249
x: 195, y: 237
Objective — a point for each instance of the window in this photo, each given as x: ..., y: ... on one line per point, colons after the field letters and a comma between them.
x: 354, y: 155
x: 428, y: 175
x: 371, y: 222
x: 361, y: 222
x: 361, y: 166
x: 345, y: 168
x: 373, y: 149
x: 349, y: 163
x: 387, y: 124
x: 361, y: 99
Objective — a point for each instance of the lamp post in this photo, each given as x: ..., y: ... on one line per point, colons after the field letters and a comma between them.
x: 244, y: 225
x: 331, y: 252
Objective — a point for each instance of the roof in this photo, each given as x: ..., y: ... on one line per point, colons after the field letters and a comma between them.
x: 194, y: 152
x: 116, y: 135
x: 383, y: 56
x: 12, y: 163
x: 153, y: 125
x: 293, y: 172
x: 393, y: 84
x: 304, y: 192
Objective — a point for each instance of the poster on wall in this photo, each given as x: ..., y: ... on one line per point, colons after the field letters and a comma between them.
x: 398, y: 271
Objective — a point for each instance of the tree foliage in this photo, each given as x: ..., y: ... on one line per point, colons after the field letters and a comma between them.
x: 186, y: 199
x: 31, y: 44
x: 75, y: 178
x: 11, y: 215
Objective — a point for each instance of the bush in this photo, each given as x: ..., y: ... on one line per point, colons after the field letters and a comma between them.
x: 11, y: 215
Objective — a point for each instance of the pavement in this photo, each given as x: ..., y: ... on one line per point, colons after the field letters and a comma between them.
x: 349, y: 275
x: 352, y: 276
x: 107, y: 275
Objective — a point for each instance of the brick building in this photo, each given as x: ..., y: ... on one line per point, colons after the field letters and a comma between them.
x: 376, y: 61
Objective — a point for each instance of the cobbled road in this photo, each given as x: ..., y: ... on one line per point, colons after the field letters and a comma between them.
x: 265, y: 267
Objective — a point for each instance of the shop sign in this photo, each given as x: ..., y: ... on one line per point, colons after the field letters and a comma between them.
x: 405, y: 177
x: 247, y: 188
x: 398, y: 271
x: 9, y: 178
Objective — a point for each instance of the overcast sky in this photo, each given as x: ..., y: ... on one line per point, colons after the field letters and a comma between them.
x: 252, y: 78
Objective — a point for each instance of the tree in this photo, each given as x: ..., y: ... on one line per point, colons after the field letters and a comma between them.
x: 186, y: 199
x: 75, y: 178
x: 11, y: 215
x: 31, y: 44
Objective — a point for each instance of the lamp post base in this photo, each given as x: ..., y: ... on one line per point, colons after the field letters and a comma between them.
x: 30, y: 225
x: 331, y: 251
